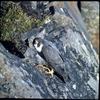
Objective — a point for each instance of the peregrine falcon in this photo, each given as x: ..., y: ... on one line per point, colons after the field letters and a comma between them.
x: 52, y: 56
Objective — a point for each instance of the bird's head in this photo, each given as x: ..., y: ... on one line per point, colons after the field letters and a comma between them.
x: 38, y: 44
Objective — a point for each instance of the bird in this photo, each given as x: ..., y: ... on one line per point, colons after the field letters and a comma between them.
x: 52, y: 56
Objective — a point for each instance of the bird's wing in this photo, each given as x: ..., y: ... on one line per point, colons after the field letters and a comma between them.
x: 54, y: 47
x: 53, y: 58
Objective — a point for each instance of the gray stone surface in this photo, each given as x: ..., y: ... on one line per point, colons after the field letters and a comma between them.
x: 90, y: 14
x: 20, y: 78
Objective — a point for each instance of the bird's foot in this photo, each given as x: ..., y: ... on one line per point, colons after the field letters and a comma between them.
x: 46, y: 69
x: 50, y: 72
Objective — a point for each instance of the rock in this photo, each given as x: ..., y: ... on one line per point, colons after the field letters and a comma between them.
x: 29, y: 7
x: 14, y: 81
x: 20, y: 78
x: 90, y: 14
x: 37, y: 9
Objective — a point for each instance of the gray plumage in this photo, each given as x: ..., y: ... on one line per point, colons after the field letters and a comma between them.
x: 53, y: 57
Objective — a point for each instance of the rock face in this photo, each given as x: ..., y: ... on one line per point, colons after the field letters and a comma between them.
x: 90, y: 14
x: 20, y: 78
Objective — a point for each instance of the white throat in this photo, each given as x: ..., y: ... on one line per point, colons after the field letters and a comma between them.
x: 39, y: 49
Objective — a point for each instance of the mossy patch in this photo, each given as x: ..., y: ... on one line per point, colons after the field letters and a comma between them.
x: 16, y: 21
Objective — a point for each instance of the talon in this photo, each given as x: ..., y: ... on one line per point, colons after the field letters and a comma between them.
x: 50, y: 72
x: 39, y: 65
x: 47, y: 70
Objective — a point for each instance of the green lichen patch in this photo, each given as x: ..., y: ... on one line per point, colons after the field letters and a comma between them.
x: 16, y: 21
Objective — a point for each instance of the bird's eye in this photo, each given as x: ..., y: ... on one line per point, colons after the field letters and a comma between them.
x: 38, y: 44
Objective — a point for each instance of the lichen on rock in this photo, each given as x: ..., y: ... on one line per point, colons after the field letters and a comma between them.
x: 20, y: 78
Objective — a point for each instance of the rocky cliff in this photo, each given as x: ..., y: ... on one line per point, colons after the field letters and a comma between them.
x: 20, y: 78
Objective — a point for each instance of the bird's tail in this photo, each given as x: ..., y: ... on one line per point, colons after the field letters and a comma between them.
x: 59, y: 76
x: 64, y: 79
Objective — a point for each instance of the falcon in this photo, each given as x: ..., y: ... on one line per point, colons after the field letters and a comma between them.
x: 48, y: 51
